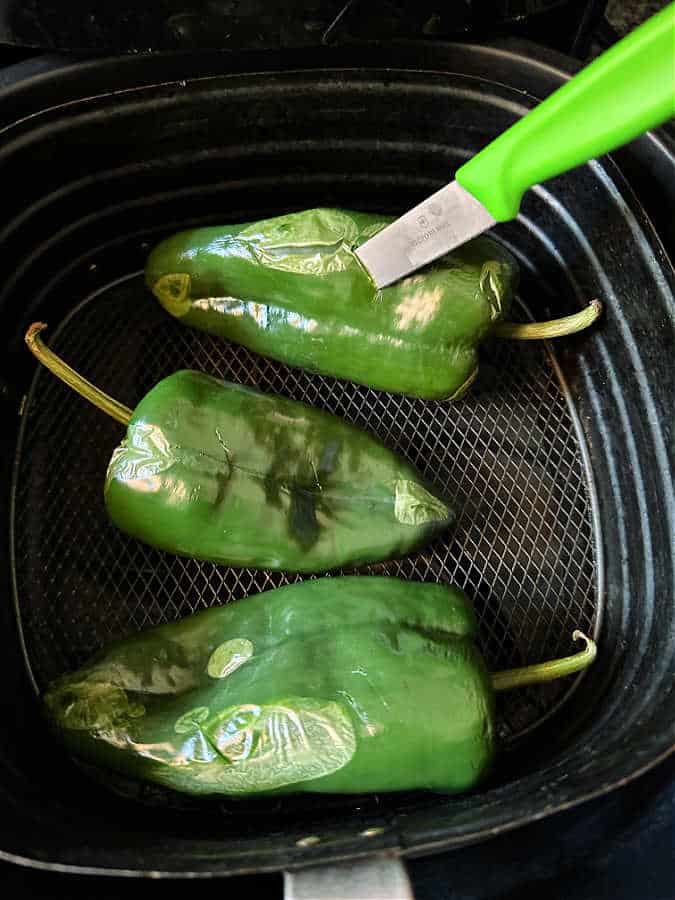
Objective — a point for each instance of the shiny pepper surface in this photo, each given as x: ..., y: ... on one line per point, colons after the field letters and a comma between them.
x: 345, y: 685
x: 216, y: 471
x: 291, y: 288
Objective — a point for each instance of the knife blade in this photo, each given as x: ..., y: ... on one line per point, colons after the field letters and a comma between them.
x: 440, y: 223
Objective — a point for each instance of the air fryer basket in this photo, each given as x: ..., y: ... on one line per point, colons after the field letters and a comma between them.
x: 558, y: 458
x: 509, y: 457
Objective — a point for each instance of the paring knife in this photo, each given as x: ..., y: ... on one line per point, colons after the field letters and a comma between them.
x: 619, y: 96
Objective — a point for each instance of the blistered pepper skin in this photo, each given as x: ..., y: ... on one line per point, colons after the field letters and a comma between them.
x: 340, y: 685
x: 221, y: 472
x: 291, y: 288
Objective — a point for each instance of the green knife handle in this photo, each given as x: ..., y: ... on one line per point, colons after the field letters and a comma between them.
x: 619, y: 96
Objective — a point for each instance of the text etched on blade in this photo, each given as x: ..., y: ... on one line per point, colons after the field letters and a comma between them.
x: 418, y: 247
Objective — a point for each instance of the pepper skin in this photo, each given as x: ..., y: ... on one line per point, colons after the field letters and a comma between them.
x: 216, y: 471
x: 342, y: 685
x: 291, y: 288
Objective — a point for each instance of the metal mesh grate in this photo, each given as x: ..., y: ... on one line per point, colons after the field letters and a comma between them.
x: 523, y: 549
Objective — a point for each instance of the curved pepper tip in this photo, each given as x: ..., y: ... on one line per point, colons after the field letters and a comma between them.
x: 73, y: 379
x: 548, y: 671
x: 33, y: 332
x: 553, y: 328
x: 591, y: 648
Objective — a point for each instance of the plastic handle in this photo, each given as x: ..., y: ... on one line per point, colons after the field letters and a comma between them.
x: 619, y: 96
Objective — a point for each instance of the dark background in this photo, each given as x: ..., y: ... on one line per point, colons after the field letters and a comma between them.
x: 621, y: 847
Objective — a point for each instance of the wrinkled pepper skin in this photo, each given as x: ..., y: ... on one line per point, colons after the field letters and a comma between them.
x: 341, y: 685
x: 220, y: 472
x: 291, y: 288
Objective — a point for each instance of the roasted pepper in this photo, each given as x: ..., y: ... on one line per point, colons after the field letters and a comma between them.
x: 342, y: 685
x: 221, y: 472
x: 291, y: 288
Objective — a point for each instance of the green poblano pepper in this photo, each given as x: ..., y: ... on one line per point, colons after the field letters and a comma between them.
x: 221, y: 472
x: 342, y: 685
x: 292, y: 288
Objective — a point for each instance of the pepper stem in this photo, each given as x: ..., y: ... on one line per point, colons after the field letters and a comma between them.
x: 69, y: 376
x: 541, y: 331
x: 547, y: 671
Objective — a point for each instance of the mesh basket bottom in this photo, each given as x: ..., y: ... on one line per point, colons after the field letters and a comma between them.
x: 508, y: 454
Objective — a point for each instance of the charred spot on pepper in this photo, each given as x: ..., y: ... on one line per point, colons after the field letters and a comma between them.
x: 302, y: 521
x: 303, y: 485
x: 303, y: 503
x: 173, y: 292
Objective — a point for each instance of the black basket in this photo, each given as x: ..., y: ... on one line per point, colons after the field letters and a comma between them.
x: 560, y: 455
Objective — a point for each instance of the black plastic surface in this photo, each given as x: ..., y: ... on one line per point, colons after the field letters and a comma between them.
x: 128, y: 26
x: 619, y: 846
x: 398, y: 135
